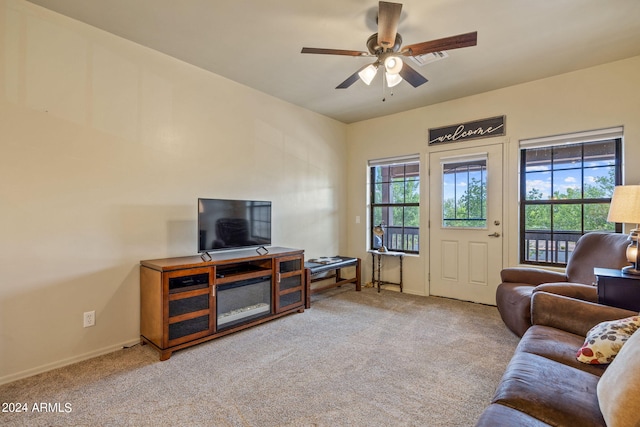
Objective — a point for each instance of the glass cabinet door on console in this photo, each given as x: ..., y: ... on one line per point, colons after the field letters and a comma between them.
x: 189, y: 298
x: 289, y: 277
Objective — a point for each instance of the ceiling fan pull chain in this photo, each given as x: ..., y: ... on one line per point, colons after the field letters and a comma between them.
x: 384, y: 86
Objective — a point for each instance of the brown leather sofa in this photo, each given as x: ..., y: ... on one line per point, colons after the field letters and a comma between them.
x: 513, y: 295
x: 544, y: 384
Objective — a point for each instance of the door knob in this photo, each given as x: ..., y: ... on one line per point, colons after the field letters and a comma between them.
x: 496, y: 234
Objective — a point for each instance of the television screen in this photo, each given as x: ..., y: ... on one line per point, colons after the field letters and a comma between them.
x: 232, y: 224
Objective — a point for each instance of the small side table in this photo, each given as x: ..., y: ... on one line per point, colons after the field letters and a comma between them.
x: 617, y: 289
x: 377, y: 256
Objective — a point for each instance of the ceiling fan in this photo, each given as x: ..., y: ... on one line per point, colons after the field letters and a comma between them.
x: 385, y: 46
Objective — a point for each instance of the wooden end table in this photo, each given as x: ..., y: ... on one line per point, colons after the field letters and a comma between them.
x: 617, y: 289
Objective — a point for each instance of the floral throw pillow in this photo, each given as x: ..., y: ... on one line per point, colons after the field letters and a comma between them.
x: 605, y: 340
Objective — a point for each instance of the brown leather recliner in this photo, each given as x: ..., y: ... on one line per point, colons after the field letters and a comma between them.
x: 597, y: 249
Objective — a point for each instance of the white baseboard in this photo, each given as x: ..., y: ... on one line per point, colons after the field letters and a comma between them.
x: 410, y: 292
x: 65, y: 362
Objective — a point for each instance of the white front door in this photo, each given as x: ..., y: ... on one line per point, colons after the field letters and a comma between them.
x: 465, y: 213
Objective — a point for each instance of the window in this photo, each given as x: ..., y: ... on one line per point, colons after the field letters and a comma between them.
x: 260, y: 219
x: 395, y: 203
x: 565, y: 190
x: 464, y: 193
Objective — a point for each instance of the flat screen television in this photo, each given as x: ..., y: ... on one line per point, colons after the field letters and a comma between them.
x: 233, y: 224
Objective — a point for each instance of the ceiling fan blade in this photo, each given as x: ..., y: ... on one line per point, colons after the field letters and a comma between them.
x: 414, y: 78
x: 334, y: 51
x: 351, y: 79
x: 388, y: 18
x: 447, y: 43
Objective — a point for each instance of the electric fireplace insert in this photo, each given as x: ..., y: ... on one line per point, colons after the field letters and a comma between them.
x: 243, y: 301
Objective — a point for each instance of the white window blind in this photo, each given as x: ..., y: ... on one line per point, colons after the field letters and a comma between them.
x: 573, y: 138
x: 413, y: 158
x: 472, y: 158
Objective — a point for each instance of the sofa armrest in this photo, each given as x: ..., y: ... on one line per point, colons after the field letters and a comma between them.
x: 533, y: 276
x: 572, y: 315
x: 571, y: 290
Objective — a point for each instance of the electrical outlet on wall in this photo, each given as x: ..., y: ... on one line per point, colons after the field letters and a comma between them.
x: 89, y: 318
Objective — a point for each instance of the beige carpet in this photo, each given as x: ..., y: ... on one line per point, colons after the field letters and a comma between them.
x: 353, y: 359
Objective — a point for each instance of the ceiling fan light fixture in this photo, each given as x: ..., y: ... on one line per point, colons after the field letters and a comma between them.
x: 393, y: 79
x: 368, y: 73
x: 393, y: 64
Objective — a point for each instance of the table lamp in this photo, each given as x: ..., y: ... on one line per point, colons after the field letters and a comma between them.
x: 625, y: 208
x: 379, y: 231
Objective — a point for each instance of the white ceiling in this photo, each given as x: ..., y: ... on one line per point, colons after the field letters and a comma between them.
x: 258, y: 42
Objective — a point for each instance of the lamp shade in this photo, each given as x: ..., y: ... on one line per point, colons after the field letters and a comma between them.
x: 625, y: 204
x: 368, y: 73
x: 393, y: 79
x: 393, y: 64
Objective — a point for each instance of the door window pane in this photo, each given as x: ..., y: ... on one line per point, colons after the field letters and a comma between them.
x: 464, y: 194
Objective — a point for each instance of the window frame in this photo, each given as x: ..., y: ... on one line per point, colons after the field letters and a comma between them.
x: 551, y: 202
x: 393, y: 162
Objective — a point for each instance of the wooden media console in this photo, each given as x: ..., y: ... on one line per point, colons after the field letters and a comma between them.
x: 185, y: 301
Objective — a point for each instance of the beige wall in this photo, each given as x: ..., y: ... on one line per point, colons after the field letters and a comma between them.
x: 593, y: 98
x: 104, y: 148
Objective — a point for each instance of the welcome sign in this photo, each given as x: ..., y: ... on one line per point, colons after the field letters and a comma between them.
x: 484, y: 128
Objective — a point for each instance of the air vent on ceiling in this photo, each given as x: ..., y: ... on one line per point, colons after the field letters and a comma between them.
x: 428, y: 58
